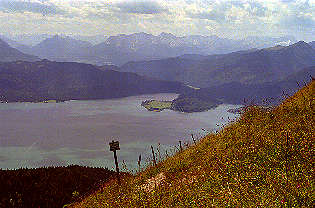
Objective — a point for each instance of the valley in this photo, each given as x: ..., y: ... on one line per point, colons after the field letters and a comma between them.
x: 144, y: 103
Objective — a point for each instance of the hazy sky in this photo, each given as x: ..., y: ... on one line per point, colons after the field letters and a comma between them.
x: 231, y: 19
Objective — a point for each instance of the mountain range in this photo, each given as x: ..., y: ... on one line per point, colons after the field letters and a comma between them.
x: 46, y: 80
x: 246, y: 67
x: 120, y: 49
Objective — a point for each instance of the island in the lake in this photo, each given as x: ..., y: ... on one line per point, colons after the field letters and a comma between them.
x: 49, y: 101
x: 181, y: 104
x: 157, y: 106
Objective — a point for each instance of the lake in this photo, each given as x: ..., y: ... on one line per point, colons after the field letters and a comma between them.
x: 79, y: 132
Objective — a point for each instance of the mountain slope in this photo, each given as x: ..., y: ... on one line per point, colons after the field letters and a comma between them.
x: 165, y: 69
x: 7, y: 54
x: 269, y: 93
x: 247, y: 67
x: 59, y: 48
x: 263, y: 158
x: 46, y: 80
x: 14, y: 44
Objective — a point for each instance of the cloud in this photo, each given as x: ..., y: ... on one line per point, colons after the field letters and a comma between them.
x: 299, y: 16
x: 229, y: 11
x: 255, y: 9
x: 297, y: 22
x: 209, y: 15
x: 141, y: 7
x: 13, y: 6
x: 288, y: 1
x: 225, y: 18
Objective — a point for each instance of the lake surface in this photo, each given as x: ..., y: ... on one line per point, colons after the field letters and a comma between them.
x: 79, y: 132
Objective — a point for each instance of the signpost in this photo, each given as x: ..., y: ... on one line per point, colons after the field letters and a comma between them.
x: 113, y: 147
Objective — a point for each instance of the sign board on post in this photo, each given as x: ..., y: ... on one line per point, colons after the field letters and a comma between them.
x: 113, y: 146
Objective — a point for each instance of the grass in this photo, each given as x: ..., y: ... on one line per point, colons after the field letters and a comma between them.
x: 264, y: 159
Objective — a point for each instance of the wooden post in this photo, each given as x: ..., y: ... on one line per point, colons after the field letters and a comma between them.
x: 117, y: 168
x: 139, y: 163
x: 158, y: 149
x: 180, y: 145
x: 113, y: 147
x: 192, y: 136
x: 154, y: 161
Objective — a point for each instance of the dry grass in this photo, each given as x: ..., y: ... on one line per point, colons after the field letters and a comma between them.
x: 264, y: 159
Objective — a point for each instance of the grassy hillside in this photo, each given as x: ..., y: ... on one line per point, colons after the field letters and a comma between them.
x: 264, y: 159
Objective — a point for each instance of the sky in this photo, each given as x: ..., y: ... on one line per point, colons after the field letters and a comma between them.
x: 229, y: 19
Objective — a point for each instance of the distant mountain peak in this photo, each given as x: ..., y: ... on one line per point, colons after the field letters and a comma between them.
x: 300, y: 44
x: 59, y: 38
x: 274, y: 48
x: 54, y: 38
x: 142, y: 34
x: 167, y: 35
x: 301, y: 48
x: 63, y: 38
